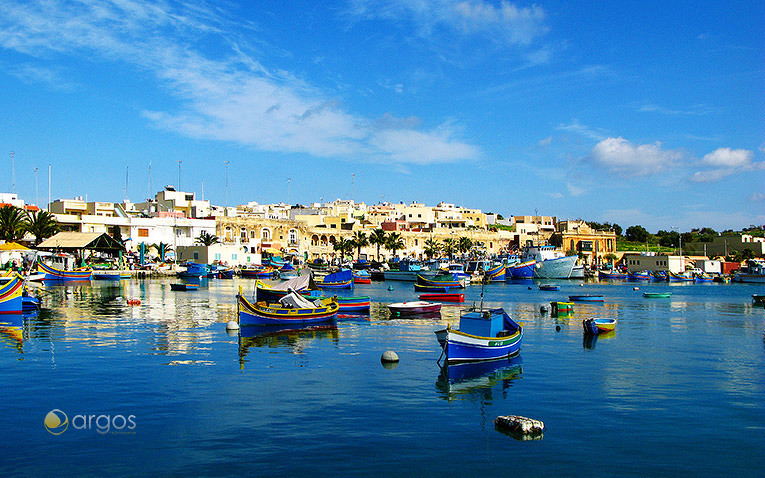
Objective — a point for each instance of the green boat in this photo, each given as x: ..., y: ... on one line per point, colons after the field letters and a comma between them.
x: 657, y: 295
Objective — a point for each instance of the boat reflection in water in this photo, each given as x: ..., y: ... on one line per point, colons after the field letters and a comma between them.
x: 478, y: 380
x: 590, y: 341
x: 12, y: 333
x: 283, y: 336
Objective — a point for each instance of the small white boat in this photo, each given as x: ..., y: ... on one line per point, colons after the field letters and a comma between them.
x: 418, y: 307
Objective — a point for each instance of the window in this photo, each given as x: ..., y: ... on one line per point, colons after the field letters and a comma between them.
x: 252, y: 235
x: 143, y: 232
x: 196, y: 256
x: 243, y: 233
x: 234, y: 257
x: 217, y: 256
x: 265, y: 234
x: 293, y: 236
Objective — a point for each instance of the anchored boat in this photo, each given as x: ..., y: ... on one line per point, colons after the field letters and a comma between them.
x: 482, y: 335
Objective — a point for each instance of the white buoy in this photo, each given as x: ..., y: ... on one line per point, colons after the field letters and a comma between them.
x: 118, y: 298
x: 636, y: 288
x: 232, y: 325
x: 389, y: 356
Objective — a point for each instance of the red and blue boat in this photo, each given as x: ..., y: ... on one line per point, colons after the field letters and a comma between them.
x: 11, y: 295
x: 53, y: 274
x: 353, y: 304
x: 444, y: 297
x: 612, y: 275
x: 482, y: 335
x: 266, y: 272
x: 639, y: 276
x: 523, y: 270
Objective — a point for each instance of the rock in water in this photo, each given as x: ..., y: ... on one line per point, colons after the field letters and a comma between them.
x: 521, y: 428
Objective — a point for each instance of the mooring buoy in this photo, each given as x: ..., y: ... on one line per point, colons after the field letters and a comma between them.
x: 389, y: 356
x: 232, y: 325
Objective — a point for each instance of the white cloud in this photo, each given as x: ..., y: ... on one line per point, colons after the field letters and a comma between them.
x: 724, y: 162
x: 576, y: 127
x: 627, y: 159
x: 757, y: 197
x: 543, y: 143
x: 231, y: 97
x: 503, y: 22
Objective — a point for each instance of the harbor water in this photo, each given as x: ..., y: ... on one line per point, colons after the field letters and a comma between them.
x: 161, y: 388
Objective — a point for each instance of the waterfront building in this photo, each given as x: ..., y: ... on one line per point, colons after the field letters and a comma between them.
x: 651, y: 261
x: 725, y: 245
x: 592, y: 245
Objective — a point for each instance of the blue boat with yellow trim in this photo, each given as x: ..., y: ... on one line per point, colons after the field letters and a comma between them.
x: 482, y: 335
x: 293, y: 308
x: 53, y: 274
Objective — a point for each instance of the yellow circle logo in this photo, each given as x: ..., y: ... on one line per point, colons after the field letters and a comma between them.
x: 56, y: 422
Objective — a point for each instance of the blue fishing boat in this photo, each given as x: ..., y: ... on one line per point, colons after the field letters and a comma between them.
x: 523, y: 270
x: 495, y: 274
x: 183, y: 287
x: 353, y: 304
x: 596, y: 326
x: 586, y: 298
x: 53, y: 274
x: 682, y: 277
x: 639, y: 276
x: 612, y: 275
x: 659, y: 276
x: 549, y: 287
x: 482, y: 335
x: 702, y: 277
x: 337, y: 280
x: 193, y: 271
x: 11, y: 295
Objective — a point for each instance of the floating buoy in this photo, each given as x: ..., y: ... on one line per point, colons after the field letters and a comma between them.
x: 543, y: 309
x: 232, y: 325
x: 581, y: 285
x: 529, y: 288
x: 521, y: 428
x: 389, y: 356
x: 636, y: 288
x: 390, y: 287
x: 118, y: 298
x: 557, y: 328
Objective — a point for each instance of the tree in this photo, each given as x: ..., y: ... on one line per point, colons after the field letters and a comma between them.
x: 360, y: 240
x: 450, y: 245
x: 162, y: 249
x: 342, y: 245
x: 610, y: 257
x: 636, y: 234
x: 464, y: 244
x: 432, y: 247
x: 42, y: 225
x: 207, y: 239
x: 12, y: 223
x: 378, y: 238
x: 395, y: 243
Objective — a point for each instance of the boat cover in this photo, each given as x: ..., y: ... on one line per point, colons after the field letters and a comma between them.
x: 298, y: 283
x: 293, y: 300
x: 342, y: 276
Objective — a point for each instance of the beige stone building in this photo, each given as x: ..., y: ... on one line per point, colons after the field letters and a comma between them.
x: 578, y: 236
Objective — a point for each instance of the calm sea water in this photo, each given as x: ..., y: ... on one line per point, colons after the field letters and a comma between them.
x: 677, y: 390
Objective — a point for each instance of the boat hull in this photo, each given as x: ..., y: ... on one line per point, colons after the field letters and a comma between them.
x: 557, y: 268
x: 496, y: 274
x: 523, y: 270
x: 444, y: 297
x: 460, y: 347
x: 414, y: 308
x: 53, y: 274
x: 353, y: 304
x: 11, y: 300
x: 586, y: 298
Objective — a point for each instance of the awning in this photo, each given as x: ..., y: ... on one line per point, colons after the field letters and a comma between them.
x: 271, y: 250
x: 81, y: 240
x: 13, y: 246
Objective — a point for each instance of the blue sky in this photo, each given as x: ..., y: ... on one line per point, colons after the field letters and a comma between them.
x: 649, y: 113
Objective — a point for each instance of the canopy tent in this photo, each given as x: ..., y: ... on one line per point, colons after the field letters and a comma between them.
x: 71, y: 241
x: 272, y: 251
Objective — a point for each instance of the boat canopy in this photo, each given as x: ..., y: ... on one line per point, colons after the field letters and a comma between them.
x: 299, y: 283
x: 342, y: 276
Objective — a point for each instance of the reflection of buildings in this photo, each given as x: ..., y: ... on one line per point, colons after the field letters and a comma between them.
x: 286, y: 337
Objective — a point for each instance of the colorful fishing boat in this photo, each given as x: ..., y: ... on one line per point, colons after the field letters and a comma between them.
x: 53, y: 274
x: 684, y: 277
x: 482, y: 335
x: 657, y: 295
x: 353, y: 304
x: 11, y: 295
x: 586, y: 298
x: 263, y: 272
x: 337, y: 280
x: 187, y: 286
x: 495, y: 274
x: 702, y: 277
x: 193, y: 271
x: 523, y: 270
x: 612, y: 275
x: 639, y: 276
x: 659, y: 276
x: 414, y: 308
x: 595, y: 326
x: 290, y: 309
x: 273, y: 293
x: 362, y: 277
x: 444, y: 297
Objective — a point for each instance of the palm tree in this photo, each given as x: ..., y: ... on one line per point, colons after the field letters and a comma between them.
x: 207, y: 239
x: 464, y: 244
x: 12, y: 223
x: 450, y: 245
x: 394, y: 243
x: 42, y: 225
x: 342, y: 245
x: 432, y: 247
x: 378, y: 238
x: 162, y: 249
x: 360, y: 240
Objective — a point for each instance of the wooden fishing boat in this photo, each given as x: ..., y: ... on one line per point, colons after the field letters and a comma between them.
x: 11, y: 295
x: 657, y: 295
x: 446, y: 297
x: 431, y: 288
x: 612, y: 275
x: 680, y: 277
x: 549, y: 287
x: 561, y: 307
x: 703, y: 277
x: 353, y: 304
x: 442, y: 279
x: 758, y: 299
x: 290, y: 309
x: 184, y: 286
x: 586, y: 298
x: 595, y: 326
x: 337, y: 280
x: 53, y: 274
x: 414, y: 308
x: 495, y: 273
x: 482, y: 335
x: 258, y: 273
x: 106, y: 276
x: 639, y: 276
x: 362, y: 277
